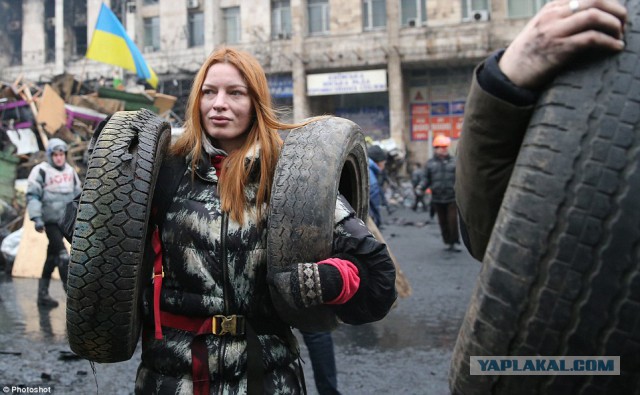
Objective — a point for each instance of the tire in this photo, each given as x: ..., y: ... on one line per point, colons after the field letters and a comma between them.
x: 107, y: 271
x: 318, y: 161
x: 561, y: 275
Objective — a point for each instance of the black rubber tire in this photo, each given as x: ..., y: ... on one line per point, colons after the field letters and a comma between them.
x: 317, y: 161
x: 561, y: 275
x: 107, y: 269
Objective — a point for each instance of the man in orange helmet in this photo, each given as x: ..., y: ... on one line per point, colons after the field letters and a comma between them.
x: 440, y: 176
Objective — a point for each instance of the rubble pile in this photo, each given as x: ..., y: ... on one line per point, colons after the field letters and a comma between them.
x: 64, y: 108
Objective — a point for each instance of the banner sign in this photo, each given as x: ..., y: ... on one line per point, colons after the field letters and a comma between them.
x: 457, y: 107
x: 280, y: 85
x: 420, y: 122
x: 347, y: 82
x: 456, y: 121
x: 440, y: 108
x: 438, y: 117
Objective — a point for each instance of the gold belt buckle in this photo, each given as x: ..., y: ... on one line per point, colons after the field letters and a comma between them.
x: 222, y: 325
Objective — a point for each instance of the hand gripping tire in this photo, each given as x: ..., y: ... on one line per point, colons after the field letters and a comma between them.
x: 318, y: 161
x: 561, y: 275
x: 107, y: 270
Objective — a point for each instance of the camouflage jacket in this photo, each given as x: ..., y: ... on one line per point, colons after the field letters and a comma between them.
x: 214, y: 265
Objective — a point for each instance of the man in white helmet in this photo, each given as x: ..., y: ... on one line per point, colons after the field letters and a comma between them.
x: 51, y: 185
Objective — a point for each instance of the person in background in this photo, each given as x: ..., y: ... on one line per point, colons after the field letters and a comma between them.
x: 502, y: 98
x: 51, y: 185
x: 440, y: 176
x: 419, y: 194
x: 323, y: 361
x: 377, y: 161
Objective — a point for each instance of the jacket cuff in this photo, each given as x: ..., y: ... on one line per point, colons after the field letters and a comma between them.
x: 313, y: 284
x: 492, y: 79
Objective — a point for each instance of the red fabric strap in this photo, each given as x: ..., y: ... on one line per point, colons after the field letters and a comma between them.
x: 195, y: 325
x: 199, y: 353
x: 158, y: 274
x: 350, y: 279
x: 200, y: 366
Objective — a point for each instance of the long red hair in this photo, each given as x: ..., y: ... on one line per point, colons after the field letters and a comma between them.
x: 263, y: 130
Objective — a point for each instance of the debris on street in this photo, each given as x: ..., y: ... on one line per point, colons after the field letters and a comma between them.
x: 65, y: 108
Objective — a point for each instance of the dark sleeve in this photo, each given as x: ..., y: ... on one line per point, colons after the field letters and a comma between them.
x: 67, y: 222
x: 495, y: 83
x: 376, y: 293
x: 427, y: 176
x: 493, y: 130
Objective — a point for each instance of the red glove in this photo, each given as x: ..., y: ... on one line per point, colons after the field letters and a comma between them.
x: 350, y: 279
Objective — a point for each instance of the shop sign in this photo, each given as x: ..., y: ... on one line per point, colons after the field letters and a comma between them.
x: 420, y: 122
x: 347, y: 82
x: 438, y: 117
x: 280, y: 85
x: 457, y: 126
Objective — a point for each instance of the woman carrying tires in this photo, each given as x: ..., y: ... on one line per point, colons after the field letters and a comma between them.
x: 215, y: 328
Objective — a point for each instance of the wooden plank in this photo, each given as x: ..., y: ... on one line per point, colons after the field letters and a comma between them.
x: 100, y: 104
x: 25, y: 92
x: 32, y: 252
x: 51, y: 111
x: 164, y: 102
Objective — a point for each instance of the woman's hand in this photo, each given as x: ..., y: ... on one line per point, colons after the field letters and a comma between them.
x: 560, y: 30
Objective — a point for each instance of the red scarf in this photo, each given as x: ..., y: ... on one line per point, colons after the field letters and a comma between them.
x: 216, y: 162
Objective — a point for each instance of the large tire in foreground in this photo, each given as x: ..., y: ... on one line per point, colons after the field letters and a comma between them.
x: 317, y: 161
x: 107, y: 268
x: 561, y: 275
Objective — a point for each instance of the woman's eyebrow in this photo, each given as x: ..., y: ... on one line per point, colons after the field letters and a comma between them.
x: 240, y: 85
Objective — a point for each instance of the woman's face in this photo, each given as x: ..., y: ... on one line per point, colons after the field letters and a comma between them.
x: 225, y: 106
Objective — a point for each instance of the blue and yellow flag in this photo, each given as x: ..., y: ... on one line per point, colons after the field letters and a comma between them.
x: 110, y: 44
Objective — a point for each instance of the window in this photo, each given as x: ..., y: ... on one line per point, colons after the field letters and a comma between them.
x: 280, y: 19
x: 468, y: 6
x: 151, y: 34
x: 16, y: 49
x: 524, y: 8
x: 196, y: 29
x: 80, y: 33
x: 231, y: 17
x: 13, y: 35
x: 374, y: 14
x: 50, y: 32
x: 148, y: 2
x: 75, y: 20
x: 318, y: 17
x: 412, y: 12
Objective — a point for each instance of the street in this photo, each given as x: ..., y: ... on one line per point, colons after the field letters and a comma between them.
x: 408, y: 352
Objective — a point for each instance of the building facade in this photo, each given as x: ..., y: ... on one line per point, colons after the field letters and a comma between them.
x: 399, y: 68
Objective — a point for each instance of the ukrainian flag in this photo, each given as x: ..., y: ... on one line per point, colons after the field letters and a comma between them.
x: 110, y: 44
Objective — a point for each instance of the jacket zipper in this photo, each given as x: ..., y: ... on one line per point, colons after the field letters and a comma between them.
x: 225, y: 290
